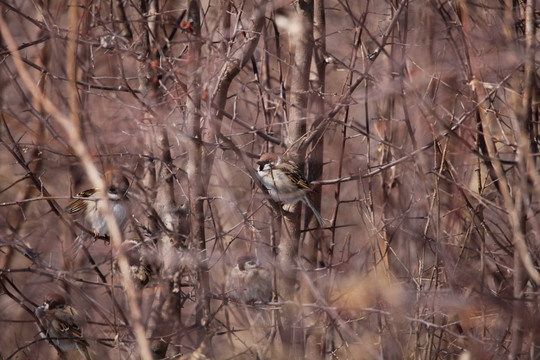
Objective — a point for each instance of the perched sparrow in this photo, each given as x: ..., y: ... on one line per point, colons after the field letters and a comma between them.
x: 248, y: 281
x: 285, y: 181
x: 61, y: 322
x: 141, y: 271
x: 88, y: 202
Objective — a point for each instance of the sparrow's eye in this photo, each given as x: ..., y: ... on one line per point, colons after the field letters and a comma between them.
x: 112, y: 190
x: 251, y: 263
x: 262, y: 164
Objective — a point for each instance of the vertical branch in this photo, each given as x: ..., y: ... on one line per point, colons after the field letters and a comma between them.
x: 525, y: 125
x: 402, y: 35
x: 302, y: 40
x: 225, y: 25
x: 195, y: 162
x: 159, y: 176
x: 519, y: 280
x: 146, y: 85
x: 228, y: 72
x: 165, y: 314
x: 315, y: 166
x: 71, y: 64
x: 529, y: 83
x: 122, y: 23
x: 303, y: 43
x: 498, y: 174
x: 195, y: 150
x: 165, y: 204
x: 71, y: 72
x: 514, y: 198
x: 315, y: 345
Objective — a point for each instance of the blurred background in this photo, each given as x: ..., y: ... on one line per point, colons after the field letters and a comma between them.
x: 415, y: 121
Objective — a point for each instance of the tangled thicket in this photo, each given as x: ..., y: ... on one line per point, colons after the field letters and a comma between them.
x: 415, y: 121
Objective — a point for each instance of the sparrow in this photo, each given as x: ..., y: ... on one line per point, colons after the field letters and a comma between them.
x: 89, y: 204
x: 248, y: 281
x: 140, y: 269
x: 285, y: 182
x: 61, y: 322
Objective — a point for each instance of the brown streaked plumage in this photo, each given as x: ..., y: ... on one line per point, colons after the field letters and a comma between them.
x: 61, y: 322
x: 141, y: 270
x: 248, y: 281
x: 88, y: 203
x: 285, y: 182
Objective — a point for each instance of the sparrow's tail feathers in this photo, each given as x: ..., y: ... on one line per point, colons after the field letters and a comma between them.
x: 84, y: 351
x: 317, y: 214
x: 77, y: 245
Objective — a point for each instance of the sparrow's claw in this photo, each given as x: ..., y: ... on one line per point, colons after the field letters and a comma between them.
x: 98, y: 236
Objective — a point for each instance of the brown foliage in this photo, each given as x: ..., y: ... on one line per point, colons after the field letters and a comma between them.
x: 415, y: 121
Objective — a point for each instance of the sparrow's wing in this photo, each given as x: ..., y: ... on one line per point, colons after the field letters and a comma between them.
x: 235, y: 284
x: 294, y: 173
x: 65, y: 321
x: 142, y: 273
x: 79, y: 205
x: 264, y: 279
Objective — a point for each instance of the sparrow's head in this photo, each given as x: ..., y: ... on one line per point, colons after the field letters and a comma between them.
x: 117, y: 185
x: 54, y: 301
x: 269, y: 159
x: 247, y: 261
